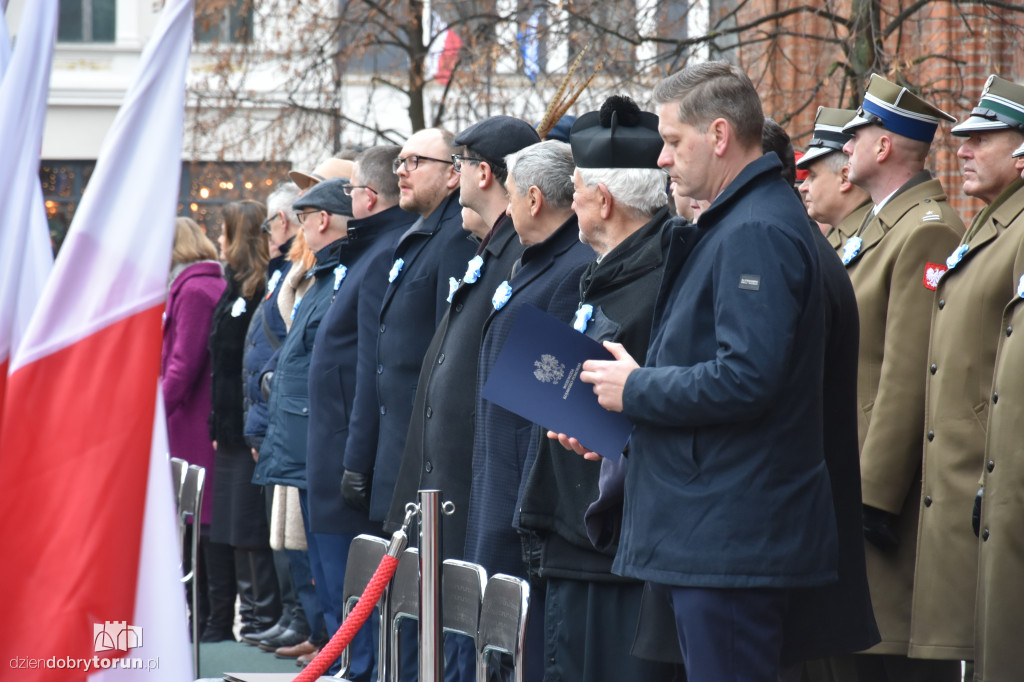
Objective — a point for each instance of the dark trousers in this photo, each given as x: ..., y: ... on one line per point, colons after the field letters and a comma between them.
x: 589, y: 629
x: 729, y: 634
x: 292, y: 616
x: 328, y: 555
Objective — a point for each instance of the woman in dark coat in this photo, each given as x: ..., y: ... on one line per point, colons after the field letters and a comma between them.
x: 194, y: 287
x: 239, y: 515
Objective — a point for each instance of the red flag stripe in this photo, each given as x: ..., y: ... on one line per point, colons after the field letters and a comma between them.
x: 76, y: 563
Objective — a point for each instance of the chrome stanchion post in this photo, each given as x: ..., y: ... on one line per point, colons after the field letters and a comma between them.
x: 431, y: 645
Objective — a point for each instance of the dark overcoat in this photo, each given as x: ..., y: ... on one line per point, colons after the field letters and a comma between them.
x: 283, y: 453
x: 837, y: 618
x: 266, y: 333
x: 343, y: 369
x: 547, y: 276
x: 416, y: 298
x: 239, y: 516
x: 439, y: 447
x: 622, y: 288
x: 727, y: 484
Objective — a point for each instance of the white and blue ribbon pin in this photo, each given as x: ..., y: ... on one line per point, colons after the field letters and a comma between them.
x: 238, y: 307
x: 473, y: 270
x: 501, y: 295
x: 957, y: 256
x: 1020, y: 286
x: 295, y: 307
x: 339, y: 276
x: 583, y: 315
x: 272, y: 284
x: 396, y: 269
x: 851, y: 248
x: 453, y: 285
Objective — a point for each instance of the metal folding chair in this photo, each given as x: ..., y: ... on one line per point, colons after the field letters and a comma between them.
x: 190, y: 504
x: 403, y: 605
x: 179, y: 468
x: 364, y: 555
x: 462, y: 592
x: 503, y: 623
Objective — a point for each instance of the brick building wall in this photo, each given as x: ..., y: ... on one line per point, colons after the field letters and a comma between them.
x: 943, y: 51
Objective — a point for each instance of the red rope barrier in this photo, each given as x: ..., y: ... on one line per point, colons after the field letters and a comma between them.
x: 356, y: 617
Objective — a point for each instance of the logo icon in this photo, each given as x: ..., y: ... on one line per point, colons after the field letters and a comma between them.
x: 933, y: 272
x: 116, y: 635
x: 549, y: 369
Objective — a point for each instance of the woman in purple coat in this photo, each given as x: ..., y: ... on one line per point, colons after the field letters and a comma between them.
x: 195, y: 285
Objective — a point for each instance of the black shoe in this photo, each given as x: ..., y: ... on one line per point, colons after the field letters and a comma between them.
x: 285, y: 639
x: 255, y: 638
x: 217, y: 635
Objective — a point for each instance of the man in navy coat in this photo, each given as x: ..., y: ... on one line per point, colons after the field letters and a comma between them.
x: 342, y: 374
x: 728, y: 506
x: 415, y: 299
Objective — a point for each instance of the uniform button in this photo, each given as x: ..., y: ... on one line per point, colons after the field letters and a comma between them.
x: 942, y: 304
x: 305, y: 410
x: 995, y: 397
x: 933, y: 368
x: 430, y: 412
x: 927, y: 500
x: 383, y: 410
x: 440, y: 359
x: 984, y: 534
x: 458, y: 307
x: 428, y: 467
x: 991, y: 465
x: 1009, y: 329
x: 931, y: 435
x: 383, y: 327
x: 380, y: 369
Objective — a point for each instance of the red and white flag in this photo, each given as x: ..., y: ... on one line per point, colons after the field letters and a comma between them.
x: 25, y: 257
x: 442, y: 52
x: 90, y: 572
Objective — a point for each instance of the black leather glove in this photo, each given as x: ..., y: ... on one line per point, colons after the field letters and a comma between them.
x: 355, y: 489
x: 265, y: 380
x: 976, y: 514
x: 879, y: 528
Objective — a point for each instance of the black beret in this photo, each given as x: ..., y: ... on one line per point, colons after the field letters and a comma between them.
x: 617, y: 136
x: 327, y: 195
x: 497, y: 137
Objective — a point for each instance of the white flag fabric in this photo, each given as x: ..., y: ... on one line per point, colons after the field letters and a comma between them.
x: 83, y: 471
x: 26, y: 257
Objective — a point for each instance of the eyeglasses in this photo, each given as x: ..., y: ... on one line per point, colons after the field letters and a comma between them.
x: 301, y: 215
x: 412, y: 162
x: 265, y: 225
x: 347, y: 189
x: 459, y: 159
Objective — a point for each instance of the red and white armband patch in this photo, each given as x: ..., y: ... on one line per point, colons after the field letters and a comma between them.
x: 933, y: 272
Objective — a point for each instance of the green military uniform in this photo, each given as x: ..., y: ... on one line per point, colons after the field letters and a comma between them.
x: 916, y: 230
x: 966, y: 320
x: 998, y: 653
x: 895, y: 261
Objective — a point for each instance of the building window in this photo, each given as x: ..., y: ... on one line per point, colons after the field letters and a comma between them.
x: 223, y: 21
x: 205, y: 187
x: 87, y: 21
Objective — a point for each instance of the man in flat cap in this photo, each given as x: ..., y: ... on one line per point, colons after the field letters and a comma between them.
x: 323, y: 214
x: 547, y: 275
x: 434, y: 249
x: 895, y: 259
x: 831, y: 199
x: 620, y: 203
x: 967, y: 324
x: 730, y: 391
x: 439, y: 445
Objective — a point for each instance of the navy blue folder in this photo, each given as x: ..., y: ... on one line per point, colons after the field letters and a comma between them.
x: 536, y: 376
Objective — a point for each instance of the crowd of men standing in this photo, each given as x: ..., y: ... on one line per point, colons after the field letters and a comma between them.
x: 817, y: 409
